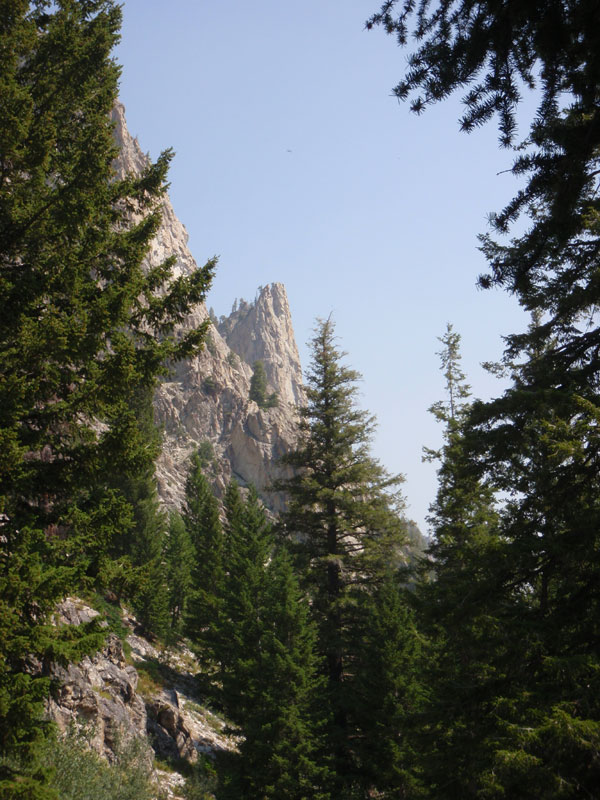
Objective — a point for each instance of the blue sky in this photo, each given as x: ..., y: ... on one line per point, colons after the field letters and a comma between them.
x: 294, y: 163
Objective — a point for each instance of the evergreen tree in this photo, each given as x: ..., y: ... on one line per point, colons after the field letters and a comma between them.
x: 81, y: 324
x: 258, y: 387
x: 249, y: 546
x: 345, y: 535
x: 203, y: 526
x: 459, y: 609
x: 143, y: 544
x: 390, y: 694
x: 179, y: 554
x: 258, y: 383
x: 269, y: 675
x: 537, y: 443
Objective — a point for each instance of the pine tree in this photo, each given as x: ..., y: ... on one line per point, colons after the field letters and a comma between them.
x: 81, y: 324
x: 258, y: 387
x: 258, y: 383
x: 344, y: 530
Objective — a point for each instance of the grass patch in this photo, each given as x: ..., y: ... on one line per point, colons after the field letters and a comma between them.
x: 217, y: 723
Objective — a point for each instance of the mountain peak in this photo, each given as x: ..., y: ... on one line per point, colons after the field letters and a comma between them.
x: 263, y: 331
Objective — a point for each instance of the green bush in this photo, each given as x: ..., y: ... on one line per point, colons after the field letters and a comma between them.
x: 78, y: 773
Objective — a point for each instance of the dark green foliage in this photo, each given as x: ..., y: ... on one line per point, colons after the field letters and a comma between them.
x: 526, y: 582
x: 206, y: 454
x: 75, y: 772
x: 390, y: 694
x: 269, y: 665
x: 458, y: 607
x: 249, y: 543
x: 539, y: 444
x: 258, y: 387
x: 345, y: 533
x: 81, y: 328
x: 143, y: 545
x: 179, y: 556
x: 203, y: 526
x: 258, y: 383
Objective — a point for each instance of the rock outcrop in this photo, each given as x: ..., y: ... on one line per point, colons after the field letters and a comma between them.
x: 99, y: 692
x: 113, y: 696
x: 205, y: 401
x: 262, y: 331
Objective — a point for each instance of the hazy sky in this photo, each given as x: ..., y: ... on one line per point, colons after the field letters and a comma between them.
x: 294, y: 163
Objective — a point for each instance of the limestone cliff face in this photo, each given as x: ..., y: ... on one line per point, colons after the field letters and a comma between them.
x: 205, y: 401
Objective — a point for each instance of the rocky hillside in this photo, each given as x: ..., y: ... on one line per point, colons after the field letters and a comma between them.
x: 131, y: 691
x: 205, y: 402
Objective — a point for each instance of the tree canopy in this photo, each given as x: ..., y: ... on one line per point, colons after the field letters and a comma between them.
x: 496, y: 52
x: 524, y: 577
x: 84, y: 326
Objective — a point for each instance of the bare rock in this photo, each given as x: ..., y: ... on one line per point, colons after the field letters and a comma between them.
x: 263, y: 331
x: 206, y: 399
x: 100, y: 692
x: 166, y: 725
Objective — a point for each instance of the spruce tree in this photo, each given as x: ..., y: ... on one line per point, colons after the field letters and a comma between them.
x: 179, y: 554
x: 345, y: 533
x: 249, y: 543
x: 391, y: 694
x: 142, y: 545
x: 538, y: 444
x: 459, y: 607
x: 269, y: 665
x: 203, y: 525
x: 81, y: 324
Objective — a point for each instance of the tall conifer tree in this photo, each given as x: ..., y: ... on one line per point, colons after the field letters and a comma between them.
x: 81, y: 324
x: 179, y: 555
x: 459, y: 608
x: 345, y: 534
x: 265, y: 647
x: 203, y: 525
x: 538, y: 442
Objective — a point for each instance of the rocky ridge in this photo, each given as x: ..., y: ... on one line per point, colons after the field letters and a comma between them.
x: 205, y: 401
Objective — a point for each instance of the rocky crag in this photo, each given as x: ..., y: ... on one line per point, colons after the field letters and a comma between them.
x: 205, y: 401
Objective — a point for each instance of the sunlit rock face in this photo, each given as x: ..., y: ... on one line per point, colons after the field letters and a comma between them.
x: 262, y: 331
x: 204, y: 402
